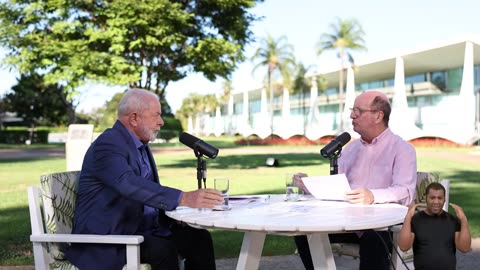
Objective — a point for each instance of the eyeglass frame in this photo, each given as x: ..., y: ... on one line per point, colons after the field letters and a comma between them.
x: 357, y: 111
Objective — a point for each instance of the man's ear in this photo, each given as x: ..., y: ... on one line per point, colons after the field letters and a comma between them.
x: 380, y: 117
x: 132, y: 119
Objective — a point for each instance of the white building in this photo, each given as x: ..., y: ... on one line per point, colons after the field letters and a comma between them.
x: 434, y: 93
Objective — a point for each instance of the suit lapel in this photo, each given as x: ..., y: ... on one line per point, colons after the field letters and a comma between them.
x: 153, y: 166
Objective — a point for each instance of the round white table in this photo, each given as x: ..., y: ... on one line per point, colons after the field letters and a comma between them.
x: 270, y: 214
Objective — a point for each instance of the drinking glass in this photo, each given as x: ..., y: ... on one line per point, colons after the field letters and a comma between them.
x: 292, y: 190
x: 222, y: 185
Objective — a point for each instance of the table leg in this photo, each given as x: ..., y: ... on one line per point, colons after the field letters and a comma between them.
x: 251, y: 251
x: 321, y: 251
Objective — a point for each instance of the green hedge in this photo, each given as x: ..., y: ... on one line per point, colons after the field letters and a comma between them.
x: 21, y: 136
x: 171, y: 129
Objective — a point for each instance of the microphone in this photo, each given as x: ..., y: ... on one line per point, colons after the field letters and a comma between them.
x: 198, y: 145
x: 335, y: 145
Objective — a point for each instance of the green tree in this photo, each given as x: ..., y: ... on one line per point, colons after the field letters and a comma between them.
x: 277, y: 56
x: 227, y: 91
x: 345, y: 35
x: 144, y: 44
x: 37, y: 102
x: 209, y: 104
x: 191, y: 107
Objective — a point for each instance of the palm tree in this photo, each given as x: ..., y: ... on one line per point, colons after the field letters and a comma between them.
x: 301, y: 85
x: 277, y: 55
x: 345, y: 35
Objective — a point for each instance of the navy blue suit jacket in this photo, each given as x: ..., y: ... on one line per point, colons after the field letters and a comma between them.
x: 111, y: 198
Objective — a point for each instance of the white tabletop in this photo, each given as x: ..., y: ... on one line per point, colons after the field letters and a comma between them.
x: 275, y: 215
x: 272, y: 215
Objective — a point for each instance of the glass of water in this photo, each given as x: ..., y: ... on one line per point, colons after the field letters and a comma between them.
x: 222, y: 185
x: 292, y: 191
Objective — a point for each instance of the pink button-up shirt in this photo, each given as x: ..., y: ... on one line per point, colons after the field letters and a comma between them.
x: 387, y: 167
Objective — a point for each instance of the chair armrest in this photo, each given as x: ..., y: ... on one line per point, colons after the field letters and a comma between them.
x: 88, y: 238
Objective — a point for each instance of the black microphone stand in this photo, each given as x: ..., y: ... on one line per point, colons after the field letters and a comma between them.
x: 201, y: 169
x: 334, y: 161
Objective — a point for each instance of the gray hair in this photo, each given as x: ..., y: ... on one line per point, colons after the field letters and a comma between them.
x: 380, y: 104
x: 135, y: 100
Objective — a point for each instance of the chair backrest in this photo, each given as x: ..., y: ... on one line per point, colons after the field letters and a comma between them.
x: 59, y: 194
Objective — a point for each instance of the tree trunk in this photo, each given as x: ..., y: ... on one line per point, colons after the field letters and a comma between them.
x: 71, y: 113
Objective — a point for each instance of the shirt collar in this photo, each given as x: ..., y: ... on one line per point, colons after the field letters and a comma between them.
x: 379, y: 137
x: 136, y: 141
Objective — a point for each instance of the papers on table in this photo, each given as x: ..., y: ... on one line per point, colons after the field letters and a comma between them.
x: 244, y: 199
x: 330, y: 187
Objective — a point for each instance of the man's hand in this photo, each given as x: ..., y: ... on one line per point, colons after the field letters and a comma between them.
x: 299, y: 183
x: 360, y: 196
x: 201, y: 198
x: 411, y: 209
x: 459, y: 212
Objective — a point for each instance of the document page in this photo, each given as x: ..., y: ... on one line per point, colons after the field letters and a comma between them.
x: 330, y: 187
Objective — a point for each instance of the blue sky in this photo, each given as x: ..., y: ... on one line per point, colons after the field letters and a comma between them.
x: 391, y: 27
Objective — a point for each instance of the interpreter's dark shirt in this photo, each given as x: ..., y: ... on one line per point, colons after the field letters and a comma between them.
x: 434, y: 244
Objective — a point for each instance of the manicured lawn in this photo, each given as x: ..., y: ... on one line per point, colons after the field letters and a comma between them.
x: 245, y: 166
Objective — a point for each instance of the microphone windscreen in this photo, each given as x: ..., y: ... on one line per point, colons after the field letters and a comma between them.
x: 343, y: 138
x: 188, y: 140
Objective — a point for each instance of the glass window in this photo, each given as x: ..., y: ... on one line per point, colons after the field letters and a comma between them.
x: 438, y: 79
x: 476, y: 74
x: 416, y: 78
x: 254, y: 106
x: 330, y: 91
x: 328, y: 108
x: 300, y: 111
x: 238, y: 108
x: 390, y: 82
x: 454, y: 78
x: 375, y: 84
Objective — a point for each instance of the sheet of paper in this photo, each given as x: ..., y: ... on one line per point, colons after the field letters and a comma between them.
x: 330, y: 187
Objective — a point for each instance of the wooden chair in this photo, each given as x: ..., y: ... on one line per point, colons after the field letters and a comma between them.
x: 51, y: 216
x: 423, y: 179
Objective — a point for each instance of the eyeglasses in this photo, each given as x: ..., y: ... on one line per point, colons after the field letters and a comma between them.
x: 358, y: 111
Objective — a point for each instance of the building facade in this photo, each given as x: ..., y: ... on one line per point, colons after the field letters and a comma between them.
x: 434, y: 92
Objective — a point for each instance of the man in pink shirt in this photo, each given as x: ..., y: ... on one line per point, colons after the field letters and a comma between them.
x: 381, y: 168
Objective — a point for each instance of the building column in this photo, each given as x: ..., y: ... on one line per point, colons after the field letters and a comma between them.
x: 197, y: 128
x: 285, y: 130
x: 189, y: 124
x: 263, y: 130
x: 402, y: 121
x: 230, y: 115
x: 349, y: 101
x: 219, y: 129
x: 245, y: 129
x: 313, y: 130
x: 466, y: 103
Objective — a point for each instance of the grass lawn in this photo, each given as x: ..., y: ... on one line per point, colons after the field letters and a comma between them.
x: 245, y: 166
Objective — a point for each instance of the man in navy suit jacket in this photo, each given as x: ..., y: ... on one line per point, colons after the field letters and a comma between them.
x: 119, y: 193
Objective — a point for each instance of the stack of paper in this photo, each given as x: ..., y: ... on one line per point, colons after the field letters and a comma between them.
x: 331, y: 187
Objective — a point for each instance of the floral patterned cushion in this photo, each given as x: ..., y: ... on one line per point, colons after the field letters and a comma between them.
x: 59, y: 195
